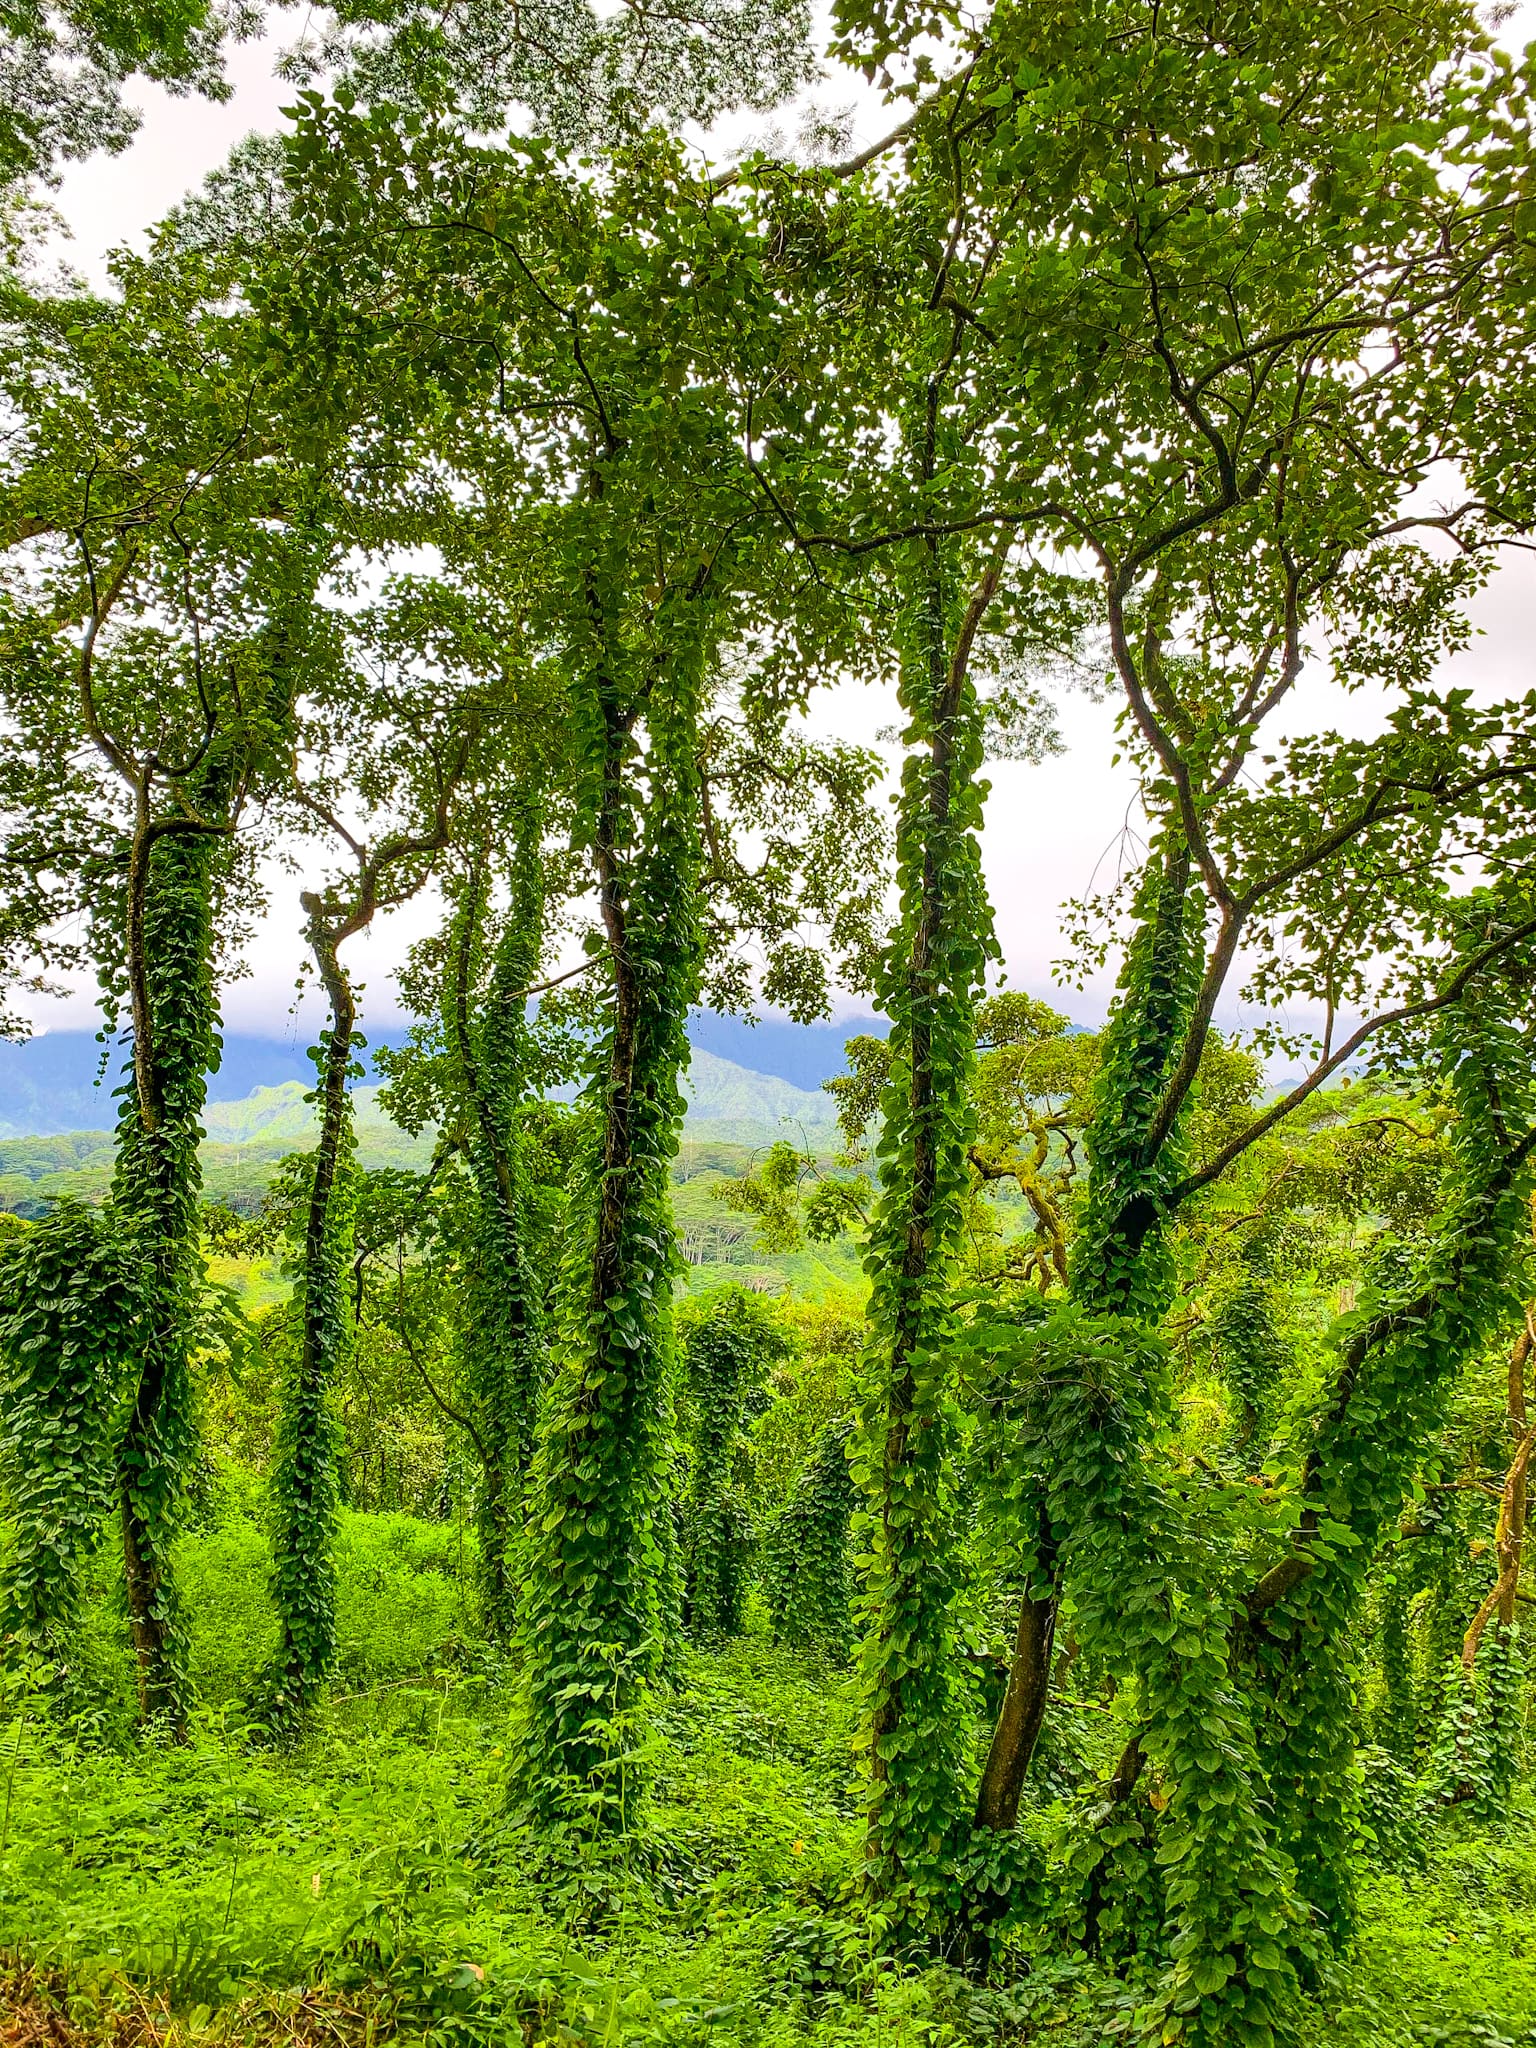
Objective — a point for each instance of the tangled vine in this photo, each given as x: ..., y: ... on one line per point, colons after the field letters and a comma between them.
x: 729, y: 1341
x: 807, y: 1579
x: 156, y: 1184
x: 929, y: 985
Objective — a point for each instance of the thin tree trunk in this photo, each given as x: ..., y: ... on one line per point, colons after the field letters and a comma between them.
x: 305, y: 1481
x: 1021, y: 1718
x: 934, y: 979
x: 501, y: 1337
x: 1509, y: 1536
x: 156, y: 1183
x: 597, y: 1607
x: 1106, y: 1276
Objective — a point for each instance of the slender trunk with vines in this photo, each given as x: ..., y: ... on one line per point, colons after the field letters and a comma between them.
x: 931, y: 983
x: 305, y: 1496
x: 157, y: 1180
x: 502, y: 1336
x: 593, y: 1623
x: 1119, y: 1262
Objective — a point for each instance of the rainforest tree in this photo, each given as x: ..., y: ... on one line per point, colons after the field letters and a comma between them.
x: 405, y: 752
x: 165, y: 616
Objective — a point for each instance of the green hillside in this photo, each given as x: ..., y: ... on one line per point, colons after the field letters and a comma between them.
x: 728, y: 1106
x: 732, y: 1113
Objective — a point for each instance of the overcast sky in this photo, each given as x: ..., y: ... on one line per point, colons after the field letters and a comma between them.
x: 1050, y: 829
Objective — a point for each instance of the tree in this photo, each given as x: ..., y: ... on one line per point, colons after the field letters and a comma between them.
x: 602, y: 345
x: 405, y: 755
x: 729, y: 1341
x: 1165, y: 368
x: 164, y: 613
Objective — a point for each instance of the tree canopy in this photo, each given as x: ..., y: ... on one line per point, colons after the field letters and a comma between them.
x: 474, y: 497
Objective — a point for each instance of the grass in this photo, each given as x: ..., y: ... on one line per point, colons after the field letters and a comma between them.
x: 365, y: 1884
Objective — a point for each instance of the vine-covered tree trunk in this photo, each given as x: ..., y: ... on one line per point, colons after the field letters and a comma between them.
x: 1397, y: 1356
x: 305, y: 1483
x: 1119, y: 1260
x: 929, y: 988
x: 806, y: 1573
x: 1022, y: 1713
x: 1101, y: 1524
x: 155, y: 1187
x: 729, y: 1341
x: 1249, y: 1723
x: 502, y: 1336
x: 592, y: 1620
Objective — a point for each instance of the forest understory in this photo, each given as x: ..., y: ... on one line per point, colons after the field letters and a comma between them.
x: 364, y: 1887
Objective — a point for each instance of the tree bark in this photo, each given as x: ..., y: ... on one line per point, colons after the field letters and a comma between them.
x: 1509, y: 1538
x: 1022, y: 1716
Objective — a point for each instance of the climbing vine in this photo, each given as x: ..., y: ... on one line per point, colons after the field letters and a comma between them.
x: 1397, y: 1718
x: 1080, y: 1399
x: 156, y: 1183
x: 592, y: 1622
x: 1121, y: 1261
x: 729, y: 1342
x: 1475, y: 1756
x: 929, y: 986
x: 1396, y: 1356
x: 501, y: 1336
x: 304, y: 1488
x: 304, y: 1485
x: 807, y: 1579
x: 1251, y: 1354
x: 70, y: 1299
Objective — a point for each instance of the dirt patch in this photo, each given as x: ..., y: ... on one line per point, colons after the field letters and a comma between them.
x: 38, y: 2009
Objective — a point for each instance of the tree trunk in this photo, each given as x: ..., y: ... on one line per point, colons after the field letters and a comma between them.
x: 304, y: 1481
x: 934, y: 973
x: 1116, y: 1265
x: 501, y: 1339
x: 595, y: 1610
x: 1021, y: 1718
x: 1509, y: 1534
x: 156, y: 1183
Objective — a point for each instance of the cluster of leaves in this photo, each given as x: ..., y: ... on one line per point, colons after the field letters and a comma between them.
x: 70, y: 1301
x: 806, y: 1570
x: 729, y: 1343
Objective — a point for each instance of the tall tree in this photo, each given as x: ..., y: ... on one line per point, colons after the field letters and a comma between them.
x: 589, y: 388
x: 1171, y: 243
x: 156, y: 648
x: 399, y: 748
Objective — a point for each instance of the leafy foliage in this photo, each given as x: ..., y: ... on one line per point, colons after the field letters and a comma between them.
x: 807, y: 1577
x: 70, y: 1296
x: 729, y: 1342
x: 500, y: 513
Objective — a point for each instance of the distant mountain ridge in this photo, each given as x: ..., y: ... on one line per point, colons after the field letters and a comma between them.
x: 49, y: 1086
x: 727, y: 1104
x: 66, y: 1081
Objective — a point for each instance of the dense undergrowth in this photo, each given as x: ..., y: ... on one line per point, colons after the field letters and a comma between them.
x: 363, y: 1884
